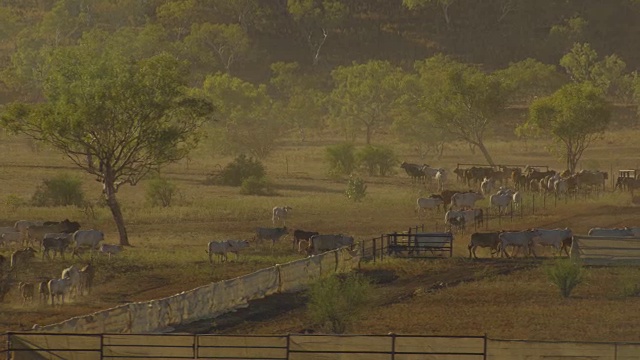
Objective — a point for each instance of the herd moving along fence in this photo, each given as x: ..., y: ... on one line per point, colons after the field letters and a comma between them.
x: 305, y: 347
x: 210, y: 300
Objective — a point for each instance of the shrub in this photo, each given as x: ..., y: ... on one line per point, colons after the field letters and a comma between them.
x: 240, y: 170
x: 377, y: 160
x: 341, y: 159
x: 160, y: 192
x: 62, y: 190
x: 566, y: 275
x: 256, y: 186
x: 14, y: 201
x: 356, y: 189
x: 335, y: 302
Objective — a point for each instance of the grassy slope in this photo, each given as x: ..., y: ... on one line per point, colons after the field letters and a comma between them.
x: 166, y: 240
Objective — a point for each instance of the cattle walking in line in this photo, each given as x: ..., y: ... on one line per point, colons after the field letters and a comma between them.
x: 222, y: 248
x: 110, y: 249
x: 280, y: 213
x: 58, y: 288
x: 87, y: 274
x: 90, y: 238
x: 553, y: 237
x: 299, y: 235
x: 489, y: 240
x: 26, y: 291
x: 519, y: 240
x: 430, y: 203
x: 465, y: 200
x: 22, y: 256
x: 57, y: 243
x: 73, y: 274
x: 323, y: 243
x: 273, y: 234
x: 43, y: 291
x: 414, y: 171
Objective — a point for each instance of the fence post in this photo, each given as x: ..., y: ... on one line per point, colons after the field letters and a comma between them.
x: 484, y: 356
x: 288, y: 344
x: 533, y: 203
x: 374, y: 250
x: 393, y: 346
x: 196, y: 344
x: 101, y: 347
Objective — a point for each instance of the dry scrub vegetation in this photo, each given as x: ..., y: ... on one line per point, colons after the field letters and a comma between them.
x: 506, y: 299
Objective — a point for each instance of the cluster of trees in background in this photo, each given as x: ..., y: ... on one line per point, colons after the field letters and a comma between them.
x: 125, y: 86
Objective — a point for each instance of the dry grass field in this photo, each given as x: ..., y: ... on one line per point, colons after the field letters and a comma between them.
x: 503, y: 298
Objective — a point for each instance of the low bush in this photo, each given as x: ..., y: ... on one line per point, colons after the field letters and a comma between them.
x: 377, y: 160
x: 336, y: 301
x: 341, y: 159
x: 241, y: 169
x: 256, y: 186
x: 161, y: 192
x: 62, y: 190
x: 356, y: 189
x: 565, y: 274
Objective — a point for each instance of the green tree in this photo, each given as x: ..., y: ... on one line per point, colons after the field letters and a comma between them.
x: 115, y: 116
x: 530, y: 79
x: 461, y: 99
x: 317, y: 18
x: 365, y: 95
x: 574, y: 116
x: 298, y: 101
x: 443, y: 4
x: 244, y: 122
x: 226, y: 44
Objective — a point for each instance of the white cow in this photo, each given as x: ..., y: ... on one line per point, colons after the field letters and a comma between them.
x: 561, y: 187
x: 59, y: 287
x: 73, y: 274
x: 487, y: 186
x: 518, y: 239
x: 465, y: 200
x: 441, y: 178
x: 280, y: 213
x: 517, y: 199
x: 429, y: 203
x: 553, y: 238
x: 89, y: 238
x: 501, y: 201
x: 470, y: 216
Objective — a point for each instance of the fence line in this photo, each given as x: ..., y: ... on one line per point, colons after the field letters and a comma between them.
x: 25, y: 345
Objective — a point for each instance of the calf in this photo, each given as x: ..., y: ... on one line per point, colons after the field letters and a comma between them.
x: 489, y: 240
x: 299, y: 235
x: 110, y: 249
x: 26, y: 291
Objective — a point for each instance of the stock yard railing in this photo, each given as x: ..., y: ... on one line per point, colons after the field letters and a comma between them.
x: 24, y: 345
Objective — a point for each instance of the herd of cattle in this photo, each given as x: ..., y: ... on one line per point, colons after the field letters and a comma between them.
x: 51, y: 238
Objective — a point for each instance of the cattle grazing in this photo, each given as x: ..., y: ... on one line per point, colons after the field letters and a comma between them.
x: 591, y: 178
x: 611, y: 232
x: 26, y: 291
x: 236, y: 245
x: 280, y: 213
x: 35, y: 233
x: 428, y: 203
x: 73, y: 274
x: 58, y: 288
x: 459, y: 174
x: 501, y: 201
x: 487, y: 185
x: 465, y: 200
x: 87, y: 274
x: 110, y: 249
x: 303, y: 245
x: 460, y: 218
x: 21, y: 226
x: 299, y: 235
x: 273, y: 234
x: 22, y: 256
x: 90, y: 238
x: 441, y: 178
x: 489, y: 240
x: 221, y: 248
x: 11, y: 238
x: 322, y: 243
x: 519, y: 240
x: 553, y: 238
x: 58, y: 242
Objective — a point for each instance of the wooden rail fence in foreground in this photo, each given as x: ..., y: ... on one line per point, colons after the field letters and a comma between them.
x: 23, y: 345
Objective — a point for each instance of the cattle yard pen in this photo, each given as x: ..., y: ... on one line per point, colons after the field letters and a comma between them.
x: 545, y: 167
x: 25, y: 345
x: 413, y: 243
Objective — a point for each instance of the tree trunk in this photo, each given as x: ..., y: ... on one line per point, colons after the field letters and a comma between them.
x: 485, y: 152
x: 112, y: 202
x: 369, y: 134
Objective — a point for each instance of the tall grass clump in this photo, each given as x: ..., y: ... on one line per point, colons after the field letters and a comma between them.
x: 336, y: 302
x: 62, y: 190
x: 377, y: 160
x: 161, y: 192
x: 356, y: 189
x: 565, y: 274
x: 341, y: 159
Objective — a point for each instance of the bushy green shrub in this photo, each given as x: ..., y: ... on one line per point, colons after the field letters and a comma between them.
x: 565, y: 274
x: 160, y: 192
x: 377, y: 160
x: 62, y: 190
x: 241, y: 169
x: 341, y: 159
x: 356, y: 189
x: 335, y: 302
x: 256, y: 186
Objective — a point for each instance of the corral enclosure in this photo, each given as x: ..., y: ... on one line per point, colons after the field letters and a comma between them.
x: 168, y: 255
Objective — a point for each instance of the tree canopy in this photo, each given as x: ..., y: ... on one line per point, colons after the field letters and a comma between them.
x: 115, y: 112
